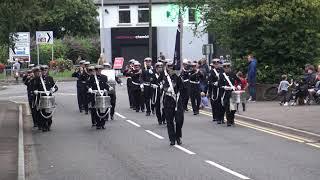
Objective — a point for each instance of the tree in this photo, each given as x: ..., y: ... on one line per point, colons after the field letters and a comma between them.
x: 283, y: 34
x: 64, y: 17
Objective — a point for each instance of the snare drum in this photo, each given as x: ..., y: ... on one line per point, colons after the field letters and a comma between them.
x: 47, y: 102
x: 102, y: 103
x: 238, y: 97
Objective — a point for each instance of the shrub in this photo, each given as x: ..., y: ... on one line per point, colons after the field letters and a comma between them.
x: 2, y: 67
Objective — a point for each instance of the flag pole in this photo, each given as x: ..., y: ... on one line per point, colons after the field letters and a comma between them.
x: 150, y: 28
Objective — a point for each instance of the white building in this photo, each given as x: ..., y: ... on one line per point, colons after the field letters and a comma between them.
x: 126, y: 29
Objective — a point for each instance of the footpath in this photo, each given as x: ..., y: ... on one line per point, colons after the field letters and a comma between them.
x: 298, y: 120
x: 9, y: 127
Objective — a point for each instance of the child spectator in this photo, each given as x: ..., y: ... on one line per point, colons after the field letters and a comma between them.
x: 204, y: 100
x: 244, y: 85
x: 283, y: 89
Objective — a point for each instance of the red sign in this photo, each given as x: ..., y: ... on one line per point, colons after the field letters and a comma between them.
x: 118, y: 63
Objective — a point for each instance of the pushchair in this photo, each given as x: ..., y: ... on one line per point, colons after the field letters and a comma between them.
x: 299, y: 93
x: 315, y: 94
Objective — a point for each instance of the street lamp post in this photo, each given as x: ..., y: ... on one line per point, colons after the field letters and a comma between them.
x: 102, y: 28
x: 150, y: 28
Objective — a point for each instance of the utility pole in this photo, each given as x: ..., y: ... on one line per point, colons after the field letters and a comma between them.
x: 150, y: 28
x: 102, y: 28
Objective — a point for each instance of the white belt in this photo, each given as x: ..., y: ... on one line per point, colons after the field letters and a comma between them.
x: 147, y: 84
x: 138, y: 84
x: 186, y: 80
x: 129, y: 77
x: 195, y: 82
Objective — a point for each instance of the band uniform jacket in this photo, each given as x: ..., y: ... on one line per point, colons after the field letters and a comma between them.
x: 171, y: 100
x: 214, y: 91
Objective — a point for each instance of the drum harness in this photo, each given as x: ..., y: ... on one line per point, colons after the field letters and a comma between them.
x: 101, y: 94
x: 230, y: 84
x: 47, y: 93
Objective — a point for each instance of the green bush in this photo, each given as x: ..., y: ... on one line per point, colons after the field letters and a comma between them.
x: 4, y: 53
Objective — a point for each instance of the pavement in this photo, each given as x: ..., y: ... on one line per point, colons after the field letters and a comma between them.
x: 8, y: 140
x: 134, y: 146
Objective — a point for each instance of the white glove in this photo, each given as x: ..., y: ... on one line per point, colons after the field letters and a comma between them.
x: 228, y: 88
x: 150, y: 71
x: 239, y: 87
x: 90, y: 90
x: 318, y: 92
x: 215, y: 83
x: 111, y: 89
x: 121, y: 84
x: 36, y: 92
x: 161, y: 86
x: 141, y: 86
x: 154, y: 86
x: 53, y: 90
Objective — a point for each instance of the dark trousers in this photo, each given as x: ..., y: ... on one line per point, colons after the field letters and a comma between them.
x: 33, y: 114
x: 99, y: 121
x: 195, y: 97
x: 113, y: 100
x: 283, y: 95
x: 217, y: 110
x: 157, y: 107
x: 185, y: 95
x: 129, y: 90
x: 174, y: 123
x: 147, y: 94
x: 45, y: 123
x: 229, y: 114
x: 252, y: 90
x: 82, y: 99
x: 138, y: 99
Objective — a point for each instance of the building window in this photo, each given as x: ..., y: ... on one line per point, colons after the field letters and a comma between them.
x: 192, y: 15
x: 143, y: 14
x: 124, y: 15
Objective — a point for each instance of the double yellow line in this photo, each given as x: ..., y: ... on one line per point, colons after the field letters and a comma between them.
x: 295, y: 138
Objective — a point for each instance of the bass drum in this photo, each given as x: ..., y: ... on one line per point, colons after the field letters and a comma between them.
x: 238, y: 97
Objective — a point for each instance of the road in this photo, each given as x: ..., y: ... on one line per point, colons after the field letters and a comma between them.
x: 135, y: 147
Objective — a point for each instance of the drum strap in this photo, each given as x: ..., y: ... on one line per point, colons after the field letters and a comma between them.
x: 228, y: 80
x: 98, y: 85
x: 44, y: 86
x: 215, y: 71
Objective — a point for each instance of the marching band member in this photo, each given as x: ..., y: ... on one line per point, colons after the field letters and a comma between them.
x: 80, y: 84
x: 45, y: 86
x: 195, y: 88
x: 27, y: 78
x: 215, y: 93
x: 227, y: 81
x: 137, y: 87
x: 147, y: 77
x: 173, y: 85
x: 112, y: 94
x: 185, y: 76
x: 99, y: 82
x: 127, y: 71
x: 158, y: 91
x: 90, y: 96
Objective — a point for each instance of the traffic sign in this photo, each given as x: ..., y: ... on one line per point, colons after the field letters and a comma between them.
x: 118, y: 63
x: 21, y: 48
x: 44, y: 37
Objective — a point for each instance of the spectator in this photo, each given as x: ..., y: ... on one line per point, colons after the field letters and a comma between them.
x: 102, y: 59
x: 283, y: 89
x: 252, y: 77
x: 204, y: 101
x: 204, y: 70
x: 244, y: 86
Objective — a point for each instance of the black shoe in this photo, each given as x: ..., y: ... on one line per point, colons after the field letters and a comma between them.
x: 160, y: 123
x: 194, y: 113
x: 44, y: 130
x: 112, y: 118
x: 80, y: 111
x: 219, y: 122
x: 148, y: 114
x: 137, y: 110
x: 172, y: 143
x: 179, y: 142
x: 153, y: 112
x: 93, y: 125
x: 86, y: 112
x: 142, y: 110
x: 228, y: 125
x: 164, y: 122
x: 186, y: 109
x: 214, y: 120
x: 98, y: 127
x: 103, y: 127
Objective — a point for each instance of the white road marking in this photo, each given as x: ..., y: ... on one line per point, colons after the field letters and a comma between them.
x: 133, y: 123
x: 121, y: 116
x: 226, y: 169
x: 67, y: 94
x: 21, y: 171
x: 154, y: 134
x: 185, y: 150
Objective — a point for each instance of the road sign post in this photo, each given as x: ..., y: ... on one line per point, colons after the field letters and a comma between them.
x: 44, y: 37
